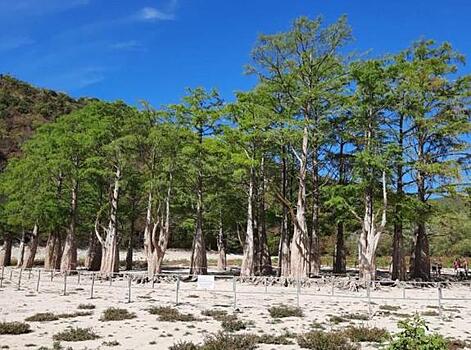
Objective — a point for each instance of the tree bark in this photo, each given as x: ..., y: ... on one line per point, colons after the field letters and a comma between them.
x: 221, y: 242
x: 30, y: 248
x: 53, y: 255
x: 315, y: 257
x: 247, y: 268
x: 265, y: 258
x: 5, y: 251
x: 283, y: 249
x: 299, y: 249
x: 69, y: 255
x: 340, y: 263
x: 129, y: 252
x: 109, y: 245
x: 398, y: 263
x: 21, y: 249
x: 93, y: 257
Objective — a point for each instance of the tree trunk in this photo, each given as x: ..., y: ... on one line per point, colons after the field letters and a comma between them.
x: 221, y: 242
x: 247, y: 268
x: 21, y: 249
x: 30, y: 248
x: 340, y: 263
x: 69, y: 255
x: 93, y: 258
x: 5, y: 251
x: 53, y: 255
x: 315, y: 256
x: 265, y: 257
x: 370, y: 235
x: 129, y: 252
x: 283, y: 249
x: 109, y: 245
x: 299, y: 249
x: 398, y: 263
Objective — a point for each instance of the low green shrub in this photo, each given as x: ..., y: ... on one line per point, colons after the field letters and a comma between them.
x: 170, y: 314
x: 75, y: 334
x: 415, y: 336
x: 86, y: 307
x: 42, y: 317
x: 359, y: 334
x: 319, y: 340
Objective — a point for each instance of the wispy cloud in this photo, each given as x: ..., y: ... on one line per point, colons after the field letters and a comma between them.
x: 12, y: 43
x: 76, y: 79
x: 152, y: 14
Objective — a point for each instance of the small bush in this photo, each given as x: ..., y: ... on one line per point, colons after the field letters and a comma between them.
x: 430, y: 313
x: 224, y: 341
x: 281, y: 311
x: 116, y: 314
x: 75, y: 314
x: 336, y: 319
x: 184, y: 345
x: 360, y: 317
x: 318, y: 340
x: 75, y: 334
x: 86, y: 307
x: 170, y: 314
x: 111, y: 343
x: 389, y: 307
x: 42, y: 317
x: 414, y: 336
x: 233, y: 324
x: 366, y: 334
x: 14, y: 328
x: 216, y: 314
x: 283, y: 339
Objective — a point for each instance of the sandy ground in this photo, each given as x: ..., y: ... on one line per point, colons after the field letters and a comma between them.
x: 252, y: 303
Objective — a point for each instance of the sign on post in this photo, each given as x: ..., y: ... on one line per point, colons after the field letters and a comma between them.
x: 205, y: 282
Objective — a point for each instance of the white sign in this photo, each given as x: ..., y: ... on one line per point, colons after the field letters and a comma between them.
x: 205, y: 282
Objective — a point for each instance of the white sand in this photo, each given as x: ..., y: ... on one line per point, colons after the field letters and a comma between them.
x: 146, y: 332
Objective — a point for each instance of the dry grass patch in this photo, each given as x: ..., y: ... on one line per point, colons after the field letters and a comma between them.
x: 14, y: 328
x: 76, y: 334
x: 170, y: 314
x: 116, y: 314
x: 318, y: 340
x: 86, y: 307
x: 42, y: 317
x: 281, y: 311
x: 366, y: 334
x: 220, y: 341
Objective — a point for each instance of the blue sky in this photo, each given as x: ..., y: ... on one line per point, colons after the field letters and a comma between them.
x: 154, y: 49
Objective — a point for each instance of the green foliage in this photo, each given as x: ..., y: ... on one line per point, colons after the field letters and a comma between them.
x: 318, y: 340
x: 415, y: 336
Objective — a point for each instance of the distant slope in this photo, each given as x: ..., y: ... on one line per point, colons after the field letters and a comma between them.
x: 23, y: 108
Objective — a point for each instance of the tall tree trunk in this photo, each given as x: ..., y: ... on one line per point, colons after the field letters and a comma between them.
x: 370, y: 235
x: 53, y: 254
x: 69, y: 255
x: 93, y: 257
x: 420, y: 258
x: 265, y: 258
x: 283, y: 249
x: 157, y: 234
x: 5, y: 251
x: 30, y: 248
x: 398, y: 263
x: 248, y: 260
x: 221, y: 242
x: 315, y: 257
x: 340, y: 263
x: 299, y: 249
x: 109, y: 245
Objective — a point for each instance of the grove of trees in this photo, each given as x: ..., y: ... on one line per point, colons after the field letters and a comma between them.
x: 329, y: 154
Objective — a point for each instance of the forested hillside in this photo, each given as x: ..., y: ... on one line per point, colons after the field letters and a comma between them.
x: 328, y: 155
x: 23, y: 108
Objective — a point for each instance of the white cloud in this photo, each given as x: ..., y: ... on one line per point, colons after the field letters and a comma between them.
x: 38, y: 7
x: 152, y: 14
x: 131, y: 45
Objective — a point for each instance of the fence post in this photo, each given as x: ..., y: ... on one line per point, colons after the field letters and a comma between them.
x: 153, y: 280
x: 333, y: 286
x: 52, y: 274
x: 78, y: 277
x: 29, y: 274
x: 11, y: 275
x: 19, y: 278
x: 129, y: 288
x: 1, y: 278
x: 368, y: 292
x: 439, y: 289
x: 298, y: 290
x: 111, y: 278
x: 403, y: 290
x: 65, y: 282
x: 178, y: 289
x: 266, y: 284
x: 93, y: 284
x: 234, y: 288
x: 39, y: 279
